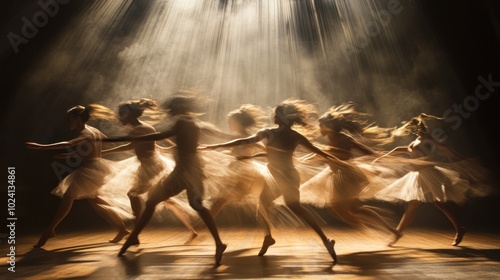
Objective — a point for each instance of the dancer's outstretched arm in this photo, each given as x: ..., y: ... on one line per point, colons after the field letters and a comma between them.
x: 163, y: 148
x: 118, y: 149
x: 306, y: 143
x: 56, y: 146
x: 148, y: 137
x: 240, y: 141
x: 361, y: 147
x: 397, y: 150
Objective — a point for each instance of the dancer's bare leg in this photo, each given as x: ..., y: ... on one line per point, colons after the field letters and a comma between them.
x: 61, y: 213
x: 263, y: 218
x: 307, y: 217
x: 460, y: 231
x: 135, y: 204
x: 289, y: 187
x: 102, y: 207
x: 195, y: 201
x: 409, y: 215
x: 172, y: 205
x: 147, y: 214
x: 407, y: 219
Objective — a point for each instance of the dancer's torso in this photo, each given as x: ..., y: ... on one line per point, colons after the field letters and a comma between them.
x: 143, y: 149
x: 280, y: 147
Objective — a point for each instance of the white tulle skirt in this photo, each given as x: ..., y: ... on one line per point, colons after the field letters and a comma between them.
x: 428, y: 184
x: 329, y: 187
x: 139, y: 177
x: 148, y: 172
x: 233, y: 180
x: 85, y: 181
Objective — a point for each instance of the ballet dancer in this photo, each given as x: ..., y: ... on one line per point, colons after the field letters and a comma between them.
x: 425, y: 182
x: 242, y: 176
x: 340, y: 188
x: 87, y: 179
x: 151, y: 164
x: 187, y: 174
x: 280, y: 144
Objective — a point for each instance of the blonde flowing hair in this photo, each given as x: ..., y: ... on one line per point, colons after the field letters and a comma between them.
x: 184, y: 102
x: 298, y: 112
x: 415, y: 125
x: 250, y: 117
x: 346, y: 118
x: 92, y: 111
x: 144, y: 107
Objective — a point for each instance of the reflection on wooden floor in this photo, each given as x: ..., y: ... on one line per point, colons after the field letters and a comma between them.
x: 298, y: 253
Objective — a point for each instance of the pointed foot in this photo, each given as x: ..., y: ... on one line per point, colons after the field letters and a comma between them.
x: 191, y: 237
x: 329, y: 244
x: 218, y: 252
x: 459, y: 236
x: 131, y: 241
x: 268, y: 242
x: 397, y: 235
x: 43, y: 239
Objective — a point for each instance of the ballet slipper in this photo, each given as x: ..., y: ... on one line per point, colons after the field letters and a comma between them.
x: 131, y: 241
x: 43, y: 239
x: 218, y: 252
x: 459, y: 236
x: 329, y: 244
x: 191, y: 237
x: 120, y: 236
x: 268, y: 242
x: 397, y: 235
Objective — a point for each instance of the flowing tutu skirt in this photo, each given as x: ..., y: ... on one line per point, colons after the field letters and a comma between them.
x: 479, y: 177
x: 148, y: 172
x: 237, y: 181
x: 87, y: 180
x: 136, y: 177
x: 328, y: 186
x: 428, y: 184
x: 245, y: 180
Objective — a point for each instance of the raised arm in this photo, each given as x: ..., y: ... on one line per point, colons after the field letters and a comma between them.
x: 148, y: 137
x: 397, y: 150
x: 240, y: 141
x: 163, y: 148
x: 56, y: 146
x: 308, y: 145
x: 361, y: 147
x: 118, y: 149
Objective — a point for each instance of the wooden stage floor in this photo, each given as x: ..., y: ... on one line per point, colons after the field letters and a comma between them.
x: 298, y: 253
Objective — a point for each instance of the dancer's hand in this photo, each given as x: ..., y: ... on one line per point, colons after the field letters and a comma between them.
x: 34, y: 146
x: 206, y: 147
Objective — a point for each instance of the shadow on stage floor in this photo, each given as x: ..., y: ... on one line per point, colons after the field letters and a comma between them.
x: 298, y: 253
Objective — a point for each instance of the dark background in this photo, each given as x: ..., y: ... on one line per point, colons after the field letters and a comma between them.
x: 469, y: 32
